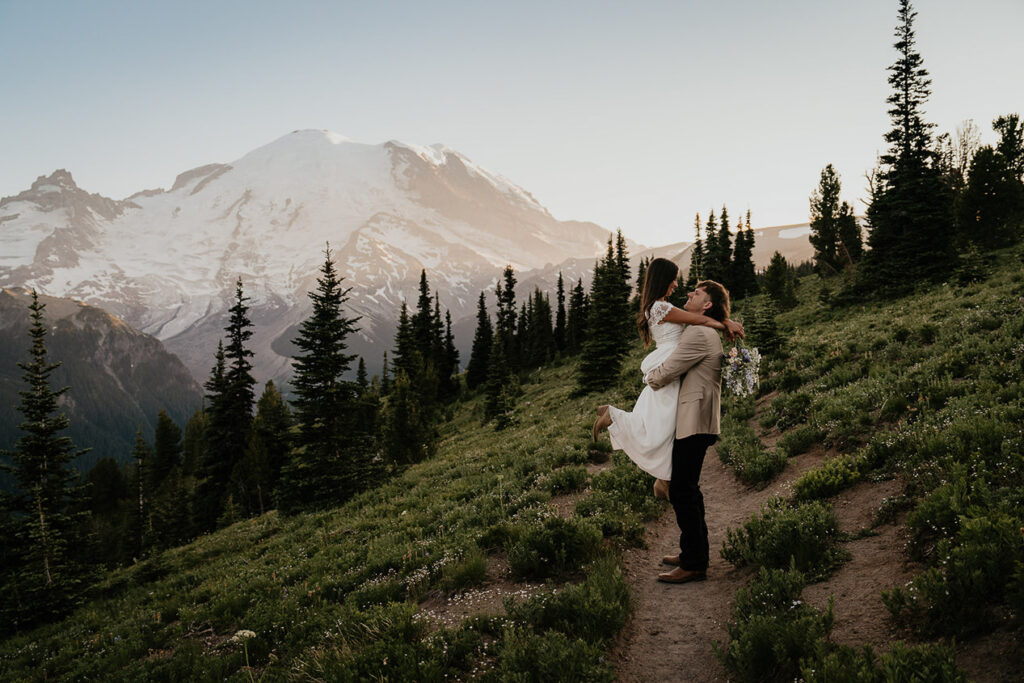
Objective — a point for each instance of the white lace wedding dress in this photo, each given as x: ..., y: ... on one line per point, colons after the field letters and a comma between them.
x: 646, y: 433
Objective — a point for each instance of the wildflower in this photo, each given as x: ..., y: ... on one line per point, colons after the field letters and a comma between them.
x: 244, y: 634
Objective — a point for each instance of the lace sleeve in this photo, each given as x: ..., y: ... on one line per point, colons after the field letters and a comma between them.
x: 658, y: 311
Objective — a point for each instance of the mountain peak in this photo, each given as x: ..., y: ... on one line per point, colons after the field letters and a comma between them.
x: 319, y: 134
x: 60, y: 179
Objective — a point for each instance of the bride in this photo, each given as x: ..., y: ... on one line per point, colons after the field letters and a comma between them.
x: 646, y: 434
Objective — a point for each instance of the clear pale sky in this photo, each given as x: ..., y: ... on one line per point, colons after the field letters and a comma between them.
x: 634, y: 115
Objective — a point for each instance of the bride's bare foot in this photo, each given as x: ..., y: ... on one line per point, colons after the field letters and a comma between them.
x: 661, y: 489
x: 603, y: 421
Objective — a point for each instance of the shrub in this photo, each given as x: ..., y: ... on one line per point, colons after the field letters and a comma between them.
x: 631, y: 485
x: 469, y: 571
x: 525, y: 655
x: 615, y: 518
x: 799, y: 440
x: 791, y: 409
x: 595, y: 610
x: 771, y: 629
x: 977, y: 569
x: 553, y: 547
x: 804, y: 536
x: 829, y: 478
x: 741, y: 449
x: 901, y: 664
x: 566, y: 479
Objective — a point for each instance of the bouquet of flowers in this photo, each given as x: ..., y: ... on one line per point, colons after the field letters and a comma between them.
x: 739, y: 370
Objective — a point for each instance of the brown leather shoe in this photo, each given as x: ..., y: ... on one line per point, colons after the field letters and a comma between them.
x: 671, y: 559
x: 661, y: 489
x: 679, y: 575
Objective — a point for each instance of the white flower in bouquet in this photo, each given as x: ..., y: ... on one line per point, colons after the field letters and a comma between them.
x: 739, y: 370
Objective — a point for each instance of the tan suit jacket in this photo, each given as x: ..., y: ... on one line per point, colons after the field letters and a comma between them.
x: 698, y: 354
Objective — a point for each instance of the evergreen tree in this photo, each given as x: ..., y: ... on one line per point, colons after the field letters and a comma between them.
x: 412, y: 404
x: 825, y: 223
x: 362, y: 380
x: 523, y: 333
x: 576, y: 319
x: 911, y: 206
x: 240, y: 394
x: 541, y: 338
x: 762, y: 329
x: 992, y: 205
x: 695, y: 272
x: 409, y: 434
x: 560, y: 316
x: 780, y: 282
x: 605, y: 344
x: 423, y: 321
x: 257, y: 476
x: 449, y: 361
x: 715, y: 263
x: 505, y: 326
x: 483, y: 339
x: 437, y: 355
x: 1011, y: 144
x: 212, y: 473
x: 44, y: 570
x: 725, y: 249
x: 406, y: 356
x: 167, y: 450
x: 385, y: 376
x: 328, y: 462
x: 193, y: 443
x: 641, y: 271
x: 500, y: 390
x: 622, y: 263
x: 108, y: 494
x: 744, y: 280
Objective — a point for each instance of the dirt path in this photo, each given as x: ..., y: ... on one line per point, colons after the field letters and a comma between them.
x: 670, y: 635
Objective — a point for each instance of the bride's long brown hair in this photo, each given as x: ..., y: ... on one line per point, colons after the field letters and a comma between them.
x: 659, y: 275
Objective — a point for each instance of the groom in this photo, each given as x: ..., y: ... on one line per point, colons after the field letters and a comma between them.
x: 698, y: 354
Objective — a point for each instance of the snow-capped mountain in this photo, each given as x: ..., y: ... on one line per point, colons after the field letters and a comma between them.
x: 166, y: 261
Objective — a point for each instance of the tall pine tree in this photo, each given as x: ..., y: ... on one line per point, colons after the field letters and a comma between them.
x: 505, y: 326
x: 605, y: 343
x: 696, y: 271
x: 743, y: 278
x: 576, y: 318
x: 327, y: 463
x: 910, y: 213
x: 483, y: 339
x: 44, y: 570
x: 560, y: 313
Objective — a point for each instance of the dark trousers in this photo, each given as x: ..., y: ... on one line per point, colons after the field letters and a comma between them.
x: 688, y: 501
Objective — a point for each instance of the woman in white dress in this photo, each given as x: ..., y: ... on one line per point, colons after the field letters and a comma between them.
x: 646, y: 434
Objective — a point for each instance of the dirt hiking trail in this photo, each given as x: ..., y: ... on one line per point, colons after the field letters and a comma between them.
x: 671, y: 633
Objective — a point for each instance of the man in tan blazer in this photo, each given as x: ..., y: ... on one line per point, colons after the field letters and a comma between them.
x: 698, y: 357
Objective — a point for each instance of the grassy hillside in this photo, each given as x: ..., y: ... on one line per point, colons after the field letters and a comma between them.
x: 334, y: 595
x: 926, y: 389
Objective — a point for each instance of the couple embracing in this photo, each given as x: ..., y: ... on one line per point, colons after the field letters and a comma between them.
x: 677, y: 416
